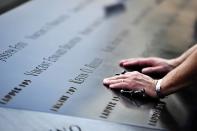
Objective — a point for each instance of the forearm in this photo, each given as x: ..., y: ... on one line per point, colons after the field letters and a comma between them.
x: 183, y: 75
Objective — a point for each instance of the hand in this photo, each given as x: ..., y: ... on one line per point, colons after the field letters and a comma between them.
x: 152, y: 65
x: 132, y: 81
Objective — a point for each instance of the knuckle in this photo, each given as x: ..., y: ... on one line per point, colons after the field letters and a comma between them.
x: 127, y: 73
x: 135, y: 73
x: 121, y: 75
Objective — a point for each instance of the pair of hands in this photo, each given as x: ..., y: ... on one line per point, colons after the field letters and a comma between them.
x: 136, y: 80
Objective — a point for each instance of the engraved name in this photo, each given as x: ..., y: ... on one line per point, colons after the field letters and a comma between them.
x: 63, y: 99
x: 16, y: 90
x: 115, y: 42
x: 109, y: 107
x: 70, y: 128
x: 47, y: 62
x: 82, y: 5
x: 93, y: 26
x: 79, y: 79
x: 48, y: 27
x: 86, y: 70
x: 155, y: 113
x: 12, y: 49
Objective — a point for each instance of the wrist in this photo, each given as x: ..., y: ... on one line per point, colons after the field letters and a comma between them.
x: 158, y: 89
x: 175, y: 62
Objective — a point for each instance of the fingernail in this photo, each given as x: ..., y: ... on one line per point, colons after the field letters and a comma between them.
x: 110, y: 86
x: 124, y: 64
x: 144, y: 71
x: 105, y: 81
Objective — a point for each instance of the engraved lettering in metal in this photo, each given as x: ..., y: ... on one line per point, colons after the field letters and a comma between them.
x: 70, y: 128
x: 8, y: 97
x: 155, y: 113
x: 109, y: 108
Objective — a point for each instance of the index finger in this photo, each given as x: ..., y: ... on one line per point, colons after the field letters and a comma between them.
x: 136, y: 62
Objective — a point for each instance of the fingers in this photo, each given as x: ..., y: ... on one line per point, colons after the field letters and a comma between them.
x: 119, y: 81
x: 117, y: 77
x: 121, y: 63
x: 136, y: 62
x: 125, y: 62
x: 109, y: 82
x: 148, y: 70
x: 121, y: 85
x: 126, y: 81
x: 118, y: 84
